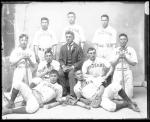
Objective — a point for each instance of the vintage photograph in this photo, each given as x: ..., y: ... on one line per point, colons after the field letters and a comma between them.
x: 74, y: 60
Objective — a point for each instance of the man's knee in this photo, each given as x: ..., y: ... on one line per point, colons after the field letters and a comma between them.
x: 109, y: 107
x: 32, y: 108
x: 71, y: 74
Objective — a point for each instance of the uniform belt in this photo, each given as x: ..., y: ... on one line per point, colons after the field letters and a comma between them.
x: 101, y: 46
x: 42, y: 49
x: 22, y: 67
x: 38, y: 96
x: 119, y: 69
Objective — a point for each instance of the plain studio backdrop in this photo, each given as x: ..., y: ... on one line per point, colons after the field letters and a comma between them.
x: 125, y: 17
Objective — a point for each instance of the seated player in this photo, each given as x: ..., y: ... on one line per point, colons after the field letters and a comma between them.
x: 96, y: 67
x: 87, y: 91
x: 36, y: 97
x: 45, y: 67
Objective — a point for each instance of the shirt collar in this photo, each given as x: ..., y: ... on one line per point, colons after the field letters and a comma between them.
x: 70, y: 44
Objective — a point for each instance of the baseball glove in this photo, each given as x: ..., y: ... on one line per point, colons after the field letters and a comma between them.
x: 70, y: 100
x: 96, y: 102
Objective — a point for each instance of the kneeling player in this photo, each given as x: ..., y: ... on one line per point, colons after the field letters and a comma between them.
x: 87, y: 91
x: 38, y: 96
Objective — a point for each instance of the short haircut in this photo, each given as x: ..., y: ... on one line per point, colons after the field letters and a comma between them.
x: 105, y: 15
x: 71, y: 13
x: 49, y: 50
x: 123, y: 34
x: 90, y: 48
x: 53, y: 71
x: 23, y: 35
x: 69, y: 32
x: 45, y: 18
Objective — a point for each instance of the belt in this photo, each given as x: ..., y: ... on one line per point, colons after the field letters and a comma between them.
x: 120, y: 69
x: 22, y: 67
x: 42, y: 49
x: 38, y: 96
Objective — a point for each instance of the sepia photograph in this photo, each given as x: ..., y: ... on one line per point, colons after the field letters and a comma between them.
x: 75, y: 60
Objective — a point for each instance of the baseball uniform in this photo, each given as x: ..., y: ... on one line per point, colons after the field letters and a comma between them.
x: 95, y: 68
x: 78, y: 33
x: 108, y: 95
x: 44, y: 39
x: 104, y: 37
x: 87, y: 88
x: 42, y: 67
x: 128, y: 77
x: 20, y: 70
x: 45, y: 91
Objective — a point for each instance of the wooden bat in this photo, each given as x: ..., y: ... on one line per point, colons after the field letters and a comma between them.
x: 83, y: 105
x: 51, y: 105
x: 123, y: 84
x: 26, y: 67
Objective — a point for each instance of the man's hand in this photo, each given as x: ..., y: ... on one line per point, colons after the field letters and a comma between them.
x: 66, y: 68
x: 104, y: 78
x: 37, y: 59
x: 122, y: 55
x: 85, y: 101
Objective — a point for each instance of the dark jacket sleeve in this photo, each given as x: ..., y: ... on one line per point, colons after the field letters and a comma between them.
x: 61, y: 59
x: 80, y: 56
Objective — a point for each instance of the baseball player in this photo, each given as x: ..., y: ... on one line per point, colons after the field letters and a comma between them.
x: 105, y: 38
x: 22, y: 59
x: 96, y: 67
x: 38, y: 96
x: 87, y: 91
x: 43, y: 39
x: 123, y: 58
x: 77, y: 29
x: 45, y: 67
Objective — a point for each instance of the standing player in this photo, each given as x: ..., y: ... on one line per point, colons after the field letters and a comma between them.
x: 124, y: 57
x: 22, y: 59
x: 45, y: 67
x: 76, y: 29
x: 43, y: 39
x: 87, y: 91
x: 105, y: 38
x: 96, y: 67
x: 39, y: 95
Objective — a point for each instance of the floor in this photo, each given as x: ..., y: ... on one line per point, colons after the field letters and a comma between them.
x: 76, y: 112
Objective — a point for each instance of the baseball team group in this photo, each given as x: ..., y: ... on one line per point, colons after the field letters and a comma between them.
x: 97, y: 78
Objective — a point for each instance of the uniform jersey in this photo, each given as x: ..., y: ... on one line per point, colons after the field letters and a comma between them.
x: 104, y: 38
x: 130, y: 54
x: 43, y: 66
x: 95, y: 68
x: 87, y: 89
x: 44, y: 39
x: 49, y: 90
x: 18, y: 53
x: 78, y: 33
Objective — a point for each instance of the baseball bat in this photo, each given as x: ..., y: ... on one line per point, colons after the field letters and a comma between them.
x: 51, y: 105
x: 26, y: 67
x: 123, y: 84
x: 83, y: 105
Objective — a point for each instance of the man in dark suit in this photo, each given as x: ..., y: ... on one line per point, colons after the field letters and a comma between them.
x: 71, y: 57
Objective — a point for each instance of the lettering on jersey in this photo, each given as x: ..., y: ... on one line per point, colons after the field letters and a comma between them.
x: 105, y: 32
x: 20, y: 54
x: 125, y: 52
x: 96, y: 65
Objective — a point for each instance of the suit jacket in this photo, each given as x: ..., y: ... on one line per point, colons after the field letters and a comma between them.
x: 76, y: 56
